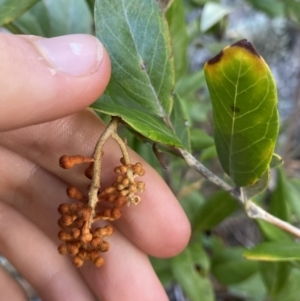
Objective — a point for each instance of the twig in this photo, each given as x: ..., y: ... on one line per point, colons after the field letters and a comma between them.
x: 206, y: 173
x: 122, y: 146
x: 253, y: 210
x: 110, y: 131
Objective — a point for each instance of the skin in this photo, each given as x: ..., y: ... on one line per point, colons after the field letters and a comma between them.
x: 43, y: 116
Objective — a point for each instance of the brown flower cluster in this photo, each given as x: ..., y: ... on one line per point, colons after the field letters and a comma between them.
x: 80, y: 238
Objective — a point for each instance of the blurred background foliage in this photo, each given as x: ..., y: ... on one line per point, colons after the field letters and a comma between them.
x: 212, y: 267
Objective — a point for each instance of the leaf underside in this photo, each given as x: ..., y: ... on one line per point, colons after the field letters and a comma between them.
x: 136, y: 36
x: 244, y: 100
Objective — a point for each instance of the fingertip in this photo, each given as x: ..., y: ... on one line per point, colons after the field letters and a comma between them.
x: 45, y: 79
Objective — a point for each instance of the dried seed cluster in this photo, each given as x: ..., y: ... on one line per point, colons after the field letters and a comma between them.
x: 124, y: 190
x: 79, y: 238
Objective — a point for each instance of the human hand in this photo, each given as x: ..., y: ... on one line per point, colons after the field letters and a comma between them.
x: 42, y: 117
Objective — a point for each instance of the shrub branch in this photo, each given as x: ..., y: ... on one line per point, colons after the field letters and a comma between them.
x: 253, y: 211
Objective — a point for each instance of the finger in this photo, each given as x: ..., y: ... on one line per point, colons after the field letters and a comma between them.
x: 44, y: 79
x: 157, y: 225
x: 37, y: 259
x: 126, y: 274
x: 122, y: 259
x: 9, y: 288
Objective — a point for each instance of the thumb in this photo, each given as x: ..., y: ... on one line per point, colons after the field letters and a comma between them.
x: 45, y: 79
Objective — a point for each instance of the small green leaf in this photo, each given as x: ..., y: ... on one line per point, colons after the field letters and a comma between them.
x: 190, y: 83
x: 214, y: 210
x: 193, y: 284
x: 274, y: 8
x: 293, y: 190
x: 69, y: 16
x: 290, y: 291
x: 29, y: 24
x: 142, y: 122
x: 229, y: 266
x: 191, y: 204
x: 275, y: 251
x: 271, y: 232
x: 199, y: 257
x: 136, y: 36
x: 12, y: 9
x: 163, y: 270
x: 56, y: 17
x: 208, y: 153
x: 279, y: 205
x: 212, y: 14
x: 276, y: 161
x: 179, y: 121
x: 251, y: 289
x: 275, y: 275
x: 292, y: 8
x: 244, y: 100
x: 200, y: 139
x: 176, y: 20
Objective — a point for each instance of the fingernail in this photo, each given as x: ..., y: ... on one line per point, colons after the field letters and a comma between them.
x: 76, y: 54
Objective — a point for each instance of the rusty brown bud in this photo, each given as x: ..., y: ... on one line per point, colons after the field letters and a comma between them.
x: 62, y: 249
x: 99, y: 261
x: 74, y: 193
x: 78, y: 261
x: 63, y: 208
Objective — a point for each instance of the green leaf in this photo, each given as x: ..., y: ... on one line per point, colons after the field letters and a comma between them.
x: 163, y: 270
x: 290, y: 291
x: 29, y: 24
x: 271, y: 232
x: 193, y: 284
x: 293, y: 190
x: 212, y: 13
x: 190, y: 83
x: 176, y: 20
x: 208, y: 153
x: 275, y: 275
x: 279, y: 205
x: 274, y: 8
x: 12, y: 9
x: 69, y: 16
x: 191, y: 204
x: 56, y: 17
x: 229, y: 266
x: 214, y: 210
x: 244, y: 100
x: 142, y: 122
x: 199, y: 257
x: 251, y: 289
x: 292, y: 9
x: 136, y: 36
x: 179, y: 121
x: 276, y: 161
x: 275, y: 251
x: 200, y: 139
